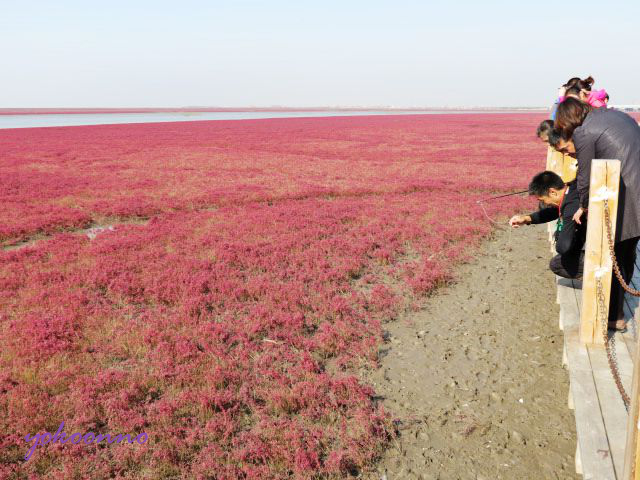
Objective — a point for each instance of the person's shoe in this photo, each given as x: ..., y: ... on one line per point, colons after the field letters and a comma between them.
x: 618, y: 326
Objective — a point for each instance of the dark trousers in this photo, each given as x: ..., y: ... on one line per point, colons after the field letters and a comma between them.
x: 569, y: 265
x: 626, y: 257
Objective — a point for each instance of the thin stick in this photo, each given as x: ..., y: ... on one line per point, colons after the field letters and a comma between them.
x: 502, y: 196
x: 499, y: 225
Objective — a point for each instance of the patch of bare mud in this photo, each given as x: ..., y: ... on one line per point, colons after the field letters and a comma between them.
x: 476, y: 378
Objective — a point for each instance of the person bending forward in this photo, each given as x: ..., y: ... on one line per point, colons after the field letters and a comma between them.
x: 561, y: 203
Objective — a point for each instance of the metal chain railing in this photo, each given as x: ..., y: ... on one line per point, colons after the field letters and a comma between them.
x: 610, y: 343
x: 616, y: 268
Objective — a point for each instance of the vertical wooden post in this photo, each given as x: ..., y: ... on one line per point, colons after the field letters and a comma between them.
x: 631, y: 451
x: 554, y: 161
x: 569, y: 168
x: 550, y: 151
x: 558, y: 158
x: 554, y: 164
x: 605, y: 181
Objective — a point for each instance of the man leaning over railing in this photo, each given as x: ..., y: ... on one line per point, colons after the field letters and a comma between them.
x: 560, y: 203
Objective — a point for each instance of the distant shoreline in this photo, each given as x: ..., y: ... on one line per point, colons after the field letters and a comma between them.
x: 68, y: 111
x: 75, y: 118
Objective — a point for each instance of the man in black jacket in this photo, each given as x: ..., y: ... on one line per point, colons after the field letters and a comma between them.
x: 562, y: 202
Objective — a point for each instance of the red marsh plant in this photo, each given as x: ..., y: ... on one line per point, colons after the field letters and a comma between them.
x: 232, y: 337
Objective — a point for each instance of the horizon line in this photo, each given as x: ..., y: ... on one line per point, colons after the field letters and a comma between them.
x: 193, y: 108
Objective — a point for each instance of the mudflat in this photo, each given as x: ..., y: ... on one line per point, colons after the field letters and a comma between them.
x: 475, y: 377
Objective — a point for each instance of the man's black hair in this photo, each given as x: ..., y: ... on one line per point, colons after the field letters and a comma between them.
x: 545, y: 127
x: 543, y: 181
x: 555, y: 135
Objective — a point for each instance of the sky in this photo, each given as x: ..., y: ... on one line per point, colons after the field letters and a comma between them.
x: 242, y: 53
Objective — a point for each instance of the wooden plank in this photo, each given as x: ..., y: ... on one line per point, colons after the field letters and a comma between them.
x: 570, y: 403
x: 595, y: 455
x: 632, y: 453
x: 572, y: 294
x: 577, y: 353
x: 614, y: 414
x: 552, y: 165
x: 569, y: 300
x: 550, y: 151
x: 578, y: 461
x: 558, y: 161
x: 599, y: 413
x: 568, y: 316
x: 569, y: 282
x: 594, y: 451
x: 569, y: 168
x: 625, y: 360
x: 630, y: 335
x: 558, y: 297
x: 630, y: 342
x: 604, y: 405
x: 605, y: 180
x: 555, y: 162
x: 569, y: 311
x: 558, y: 290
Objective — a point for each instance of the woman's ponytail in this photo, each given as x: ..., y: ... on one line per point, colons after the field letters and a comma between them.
x: 580, y: 83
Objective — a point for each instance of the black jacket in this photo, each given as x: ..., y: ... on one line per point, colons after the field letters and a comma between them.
x: 610, y: 134
x: 570, y: 236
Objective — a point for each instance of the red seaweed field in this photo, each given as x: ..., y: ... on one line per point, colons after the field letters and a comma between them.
x: 245, y: 280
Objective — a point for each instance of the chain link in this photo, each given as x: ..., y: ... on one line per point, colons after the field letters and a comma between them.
x: 616, y: 268
x: 610, y: 344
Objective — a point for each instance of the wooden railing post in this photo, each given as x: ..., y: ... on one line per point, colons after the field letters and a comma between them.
x: 605, y: 181
x: 563, y: 165
x: 566, y: 167
x: 558, y: 162
x: 554, y: 164
x: 555, y: 161
x: 631, y: 453
x: 550, y: 151
x: 550, y: 167
x: 569, y: 168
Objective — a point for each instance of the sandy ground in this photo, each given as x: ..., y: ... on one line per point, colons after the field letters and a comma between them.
x: 476, y: 376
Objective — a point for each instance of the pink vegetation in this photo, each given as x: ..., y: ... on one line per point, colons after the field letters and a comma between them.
x: 230, y: 335
x: 52, y: 179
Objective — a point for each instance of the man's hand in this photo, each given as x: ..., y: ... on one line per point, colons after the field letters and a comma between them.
x: 518, y: 220
x: 561, y: 92
x: 577, y: 215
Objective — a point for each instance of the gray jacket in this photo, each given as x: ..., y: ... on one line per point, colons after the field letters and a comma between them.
x: 611, y: 134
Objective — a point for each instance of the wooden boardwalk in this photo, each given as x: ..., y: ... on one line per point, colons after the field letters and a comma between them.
x: 602, y: 423
x: 601, y: 418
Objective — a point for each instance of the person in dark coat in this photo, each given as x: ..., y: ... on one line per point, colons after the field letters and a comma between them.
x: 560, y: 203
x: 603, y: 133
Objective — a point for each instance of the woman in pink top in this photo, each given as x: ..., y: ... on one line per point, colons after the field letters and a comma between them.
x: 581, y: 89
x: 595, y: 98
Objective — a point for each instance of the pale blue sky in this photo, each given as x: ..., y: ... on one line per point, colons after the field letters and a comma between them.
x: 69, y: 53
